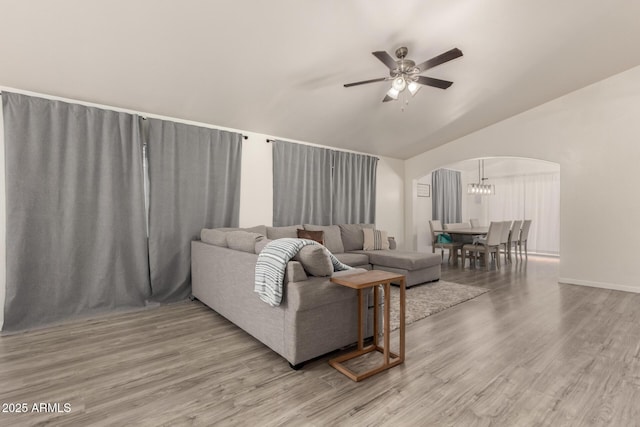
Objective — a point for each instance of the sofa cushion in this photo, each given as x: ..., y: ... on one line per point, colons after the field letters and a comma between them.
x: 316, y: 236
x: 260, y: 244
x: 282, y: 232
x: 353, y: 259
x: 214, y: 237
x: 352, y: 237
x: 332, y: 237
x: 261, y: 229
x: 404, y: 259
x: 315, y: 260
x: 375, y: 239
x: 243, y: 241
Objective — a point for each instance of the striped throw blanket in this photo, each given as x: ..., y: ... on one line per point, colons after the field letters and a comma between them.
x: 271, y: 265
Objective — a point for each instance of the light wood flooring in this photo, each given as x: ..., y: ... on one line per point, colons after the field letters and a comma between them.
x: 530, y: 352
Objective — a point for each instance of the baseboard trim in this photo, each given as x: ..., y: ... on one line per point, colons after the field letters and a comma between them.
x: 602, y: 285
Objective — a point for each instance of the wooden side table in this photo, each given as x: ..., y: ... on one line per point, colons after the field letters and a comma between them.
x: 362, y: 281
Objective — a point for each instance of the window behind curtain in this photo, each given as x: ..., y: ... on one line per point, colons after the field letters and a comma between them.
x: 315, y: 185
x: 194, y: 183
x: 535, y: 197
x: 76, y: 235
x: 446, y: 199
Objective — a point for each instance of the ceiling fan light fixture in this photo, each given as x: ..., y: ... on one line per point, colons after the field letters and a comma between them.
x: 399, y: 84
x: 413, y: 88
x: 393, y: 93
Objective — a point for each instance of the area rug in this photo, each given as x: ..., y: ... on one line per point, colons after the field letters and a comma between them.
x: 430, y: 298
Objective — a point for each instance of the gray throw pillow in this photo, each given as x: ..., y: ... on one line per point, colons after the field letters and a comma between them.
x: 243, y: 241
x: 282, y: 232
x: 332, y: 237
x: 214, y: 237
x: 352, y: 237
x: 315, y: 260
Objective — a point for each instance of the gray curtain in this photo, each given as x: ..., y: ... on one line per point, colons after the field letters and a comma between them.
x: 446, y: 202
x: 194, y: 183
x: 354, y: 188
x: 76, y: 239
x: 302, y: 191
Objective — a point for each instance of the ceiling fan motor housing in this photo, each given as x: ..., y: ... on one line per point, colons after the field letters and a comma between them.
x: 405, y: 66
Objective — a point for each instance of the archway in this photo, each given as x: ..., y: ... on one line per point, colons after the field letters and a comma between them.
x: 524, y: 188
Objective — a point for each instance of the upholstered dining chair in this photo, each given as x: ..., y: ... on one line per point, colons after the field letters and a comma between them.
x: 504, y: 239
x: 524, y: 235
x: 452, y: 247
x: 514, y: 237
x: 489, y: 245
x: 475, y: 222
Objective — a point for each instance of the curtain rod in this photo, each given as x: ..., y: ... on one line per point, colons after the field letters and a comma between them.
x: 121, y: 110
x: 327, y: 148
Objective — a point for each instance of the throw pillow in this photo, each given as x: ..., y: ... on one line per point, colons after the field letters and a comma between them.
x: 375, y: 239
x: 352, y: 237
x: 290, y: 231
x: 315, y: 260
x: 332, y: 237
x: 214, y: 237
x: 317, y: 236
x: 243, y: 241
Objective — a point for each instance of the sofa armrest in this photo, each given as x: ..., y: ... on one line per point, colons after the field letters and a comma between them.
x: 295, y: 272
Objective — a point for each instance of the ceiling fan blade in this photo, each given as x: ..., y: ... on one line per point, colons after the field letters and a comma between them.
x: 440, y: 59
x: 387, y: 99
x: 430, y: 81
x: 364, y: 82
x: 386, y: 59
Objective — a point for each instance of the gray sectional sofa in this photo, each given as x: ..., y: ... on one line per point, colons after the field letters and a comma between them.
x: 316, y: 316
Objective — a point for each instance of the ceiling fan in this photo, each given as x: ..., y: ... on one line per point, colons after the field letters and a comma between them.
x: 405, y: 73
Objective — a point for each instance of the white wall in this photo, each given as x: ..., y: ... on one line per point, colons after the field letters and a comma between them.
x: 423, y: 213
x: 593, y: 133
x: 256, y: 193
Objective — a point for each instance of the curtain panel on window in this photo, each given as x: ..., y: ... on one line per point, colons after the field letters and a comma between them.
x: 194, y: 183
x: 446, y: 201
x: 354, y: 188
x: 76, y: 234
x: 313, y: 185
x: 535, y: 197
x: 302, y: 192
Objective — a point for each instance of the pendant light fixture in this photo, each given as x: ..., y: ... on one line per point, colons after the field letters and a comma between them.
x: 481, y: 189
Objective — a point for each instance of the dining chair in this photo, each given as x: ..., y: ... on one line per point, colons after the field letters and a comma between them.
x: 485, y: 246
x: 514, y: 237
x: 524, y: 235
x: 504, y: 239
x: 452, y: 247
x: 475, y: 222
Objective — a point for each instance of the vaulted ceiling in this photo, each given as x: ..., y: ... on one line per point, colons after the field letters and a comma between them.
x: 277, y: 67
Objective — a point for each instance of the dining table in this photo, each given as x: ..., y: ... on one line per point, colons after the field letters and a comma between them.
x: 470, y: 231
x: 461, y: 232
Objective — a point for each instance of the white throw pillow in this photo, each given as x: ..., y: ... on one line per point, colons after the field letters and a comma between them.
x: 375, y: 239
